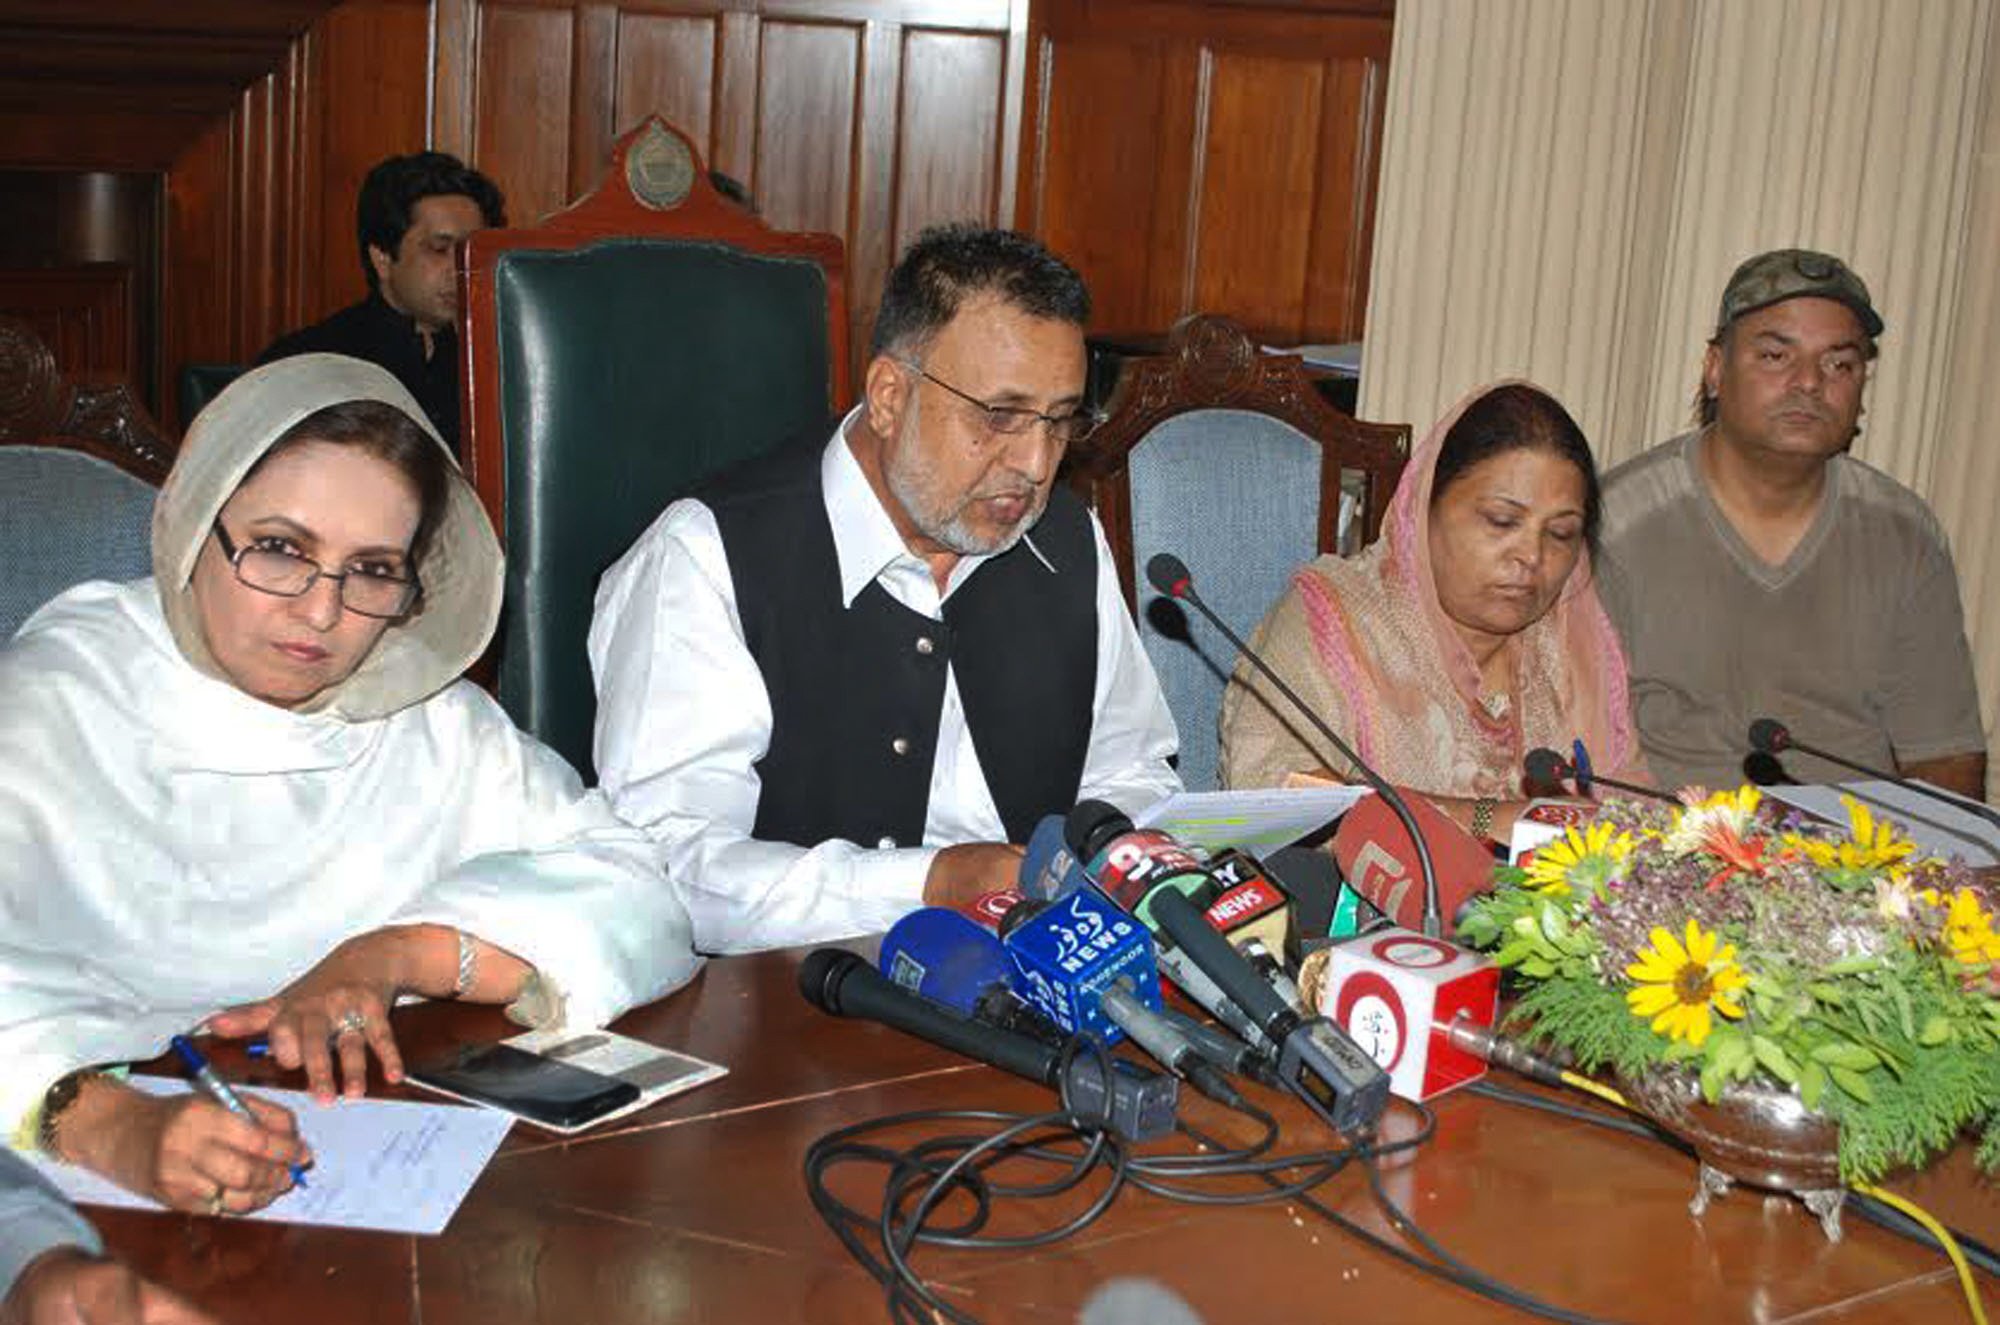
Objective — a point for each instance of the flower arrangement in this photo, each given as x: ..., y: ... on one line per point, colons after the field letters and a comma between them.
x: 1715, y: 936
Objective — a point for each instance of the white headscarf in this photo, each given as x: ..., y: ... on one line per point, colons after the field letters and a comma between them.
x: 462, y: 572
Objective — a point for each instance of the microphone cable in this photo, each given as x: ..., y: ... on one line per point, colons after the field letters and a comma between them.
x: 921, y: 1177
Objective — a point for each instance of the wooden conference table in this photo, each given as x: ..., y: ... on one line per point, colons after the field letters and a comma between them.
x: 695, y: 1210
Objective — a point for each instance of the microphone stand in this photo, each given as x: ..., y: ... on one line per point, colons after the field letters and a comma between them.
x: 1169, y: 574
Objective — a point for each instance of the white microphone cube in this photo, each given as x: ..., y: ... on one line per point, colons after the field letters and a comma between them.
x: 1395, y: 992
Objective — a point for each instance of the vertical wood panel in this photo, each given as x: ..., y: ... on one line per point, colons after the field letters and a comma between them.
x: 1336, y: 289
x: 805, y: 124
x: 198, y: 266
x: 521, y: 104
x: 948, y: 148
x: 1097, y: 168
x: 739, y: 55
x: 666, y: 67
x: 1246, y: 135
x: 383, y: 48
x: 1256, y: 208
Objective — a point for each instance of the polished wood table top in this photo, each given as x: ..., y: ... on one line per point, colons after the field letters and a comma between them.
x: 696, y: 1210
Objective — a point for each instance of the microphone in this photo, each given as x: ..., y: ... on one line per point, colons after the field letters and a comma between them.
x: 1133, y: 865
x: 1375, y: 855
x: 1169, y: 574
x: 1545, y: 765
x: 1400, y: 995
x: 1768, y: 736
x: 1250, y: 907
x: 1316, y: 1059
x: 940, y: 954
x: 1166, y: 1042
x: 1767, y: 770
x: 1134, y: 1102
x: 1066, y: 954
x: 1049, y: 867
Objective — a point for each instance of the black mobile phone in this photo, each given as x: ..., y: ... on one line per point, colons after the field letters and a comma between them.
x: 540, y: 1089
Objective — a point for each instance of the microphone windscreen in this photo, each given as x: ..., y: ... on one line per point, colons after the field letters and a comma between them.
x: 1168, y: 573
x: 1769, y: 736
x: 1091, y: 824
x: 1379, y: 861
x: 820, y: 975
x: 1545, y: 765
x: 1766, y: 770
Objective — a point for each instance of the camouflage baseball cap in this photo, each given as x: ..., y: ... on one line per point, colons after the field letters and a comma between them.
x: 1790, y: 273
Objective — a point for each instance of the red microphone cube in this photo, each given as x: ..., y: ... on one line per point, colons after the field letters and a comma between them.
x: 1395, y: 992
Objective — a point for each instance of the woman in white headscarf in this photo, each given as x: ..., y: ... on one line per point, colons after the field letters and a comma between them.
x: 251, y: 794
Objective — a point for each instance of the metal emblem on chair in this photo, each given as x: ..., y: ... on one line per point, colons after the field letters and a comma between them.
x: 659, y: 169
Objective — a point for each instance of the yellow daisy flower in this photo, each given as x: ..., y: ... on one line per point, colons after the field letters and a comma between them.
x: 1968, y: 930
x: 1679, y: 985
x: 1871, y: 846
x: 1585, y: 859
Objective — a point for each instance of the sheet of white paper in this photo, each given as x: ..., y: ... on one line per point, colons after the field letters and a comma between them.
x: 1255, y: 821
x: 397, y: 1166
x: 1941, y: 830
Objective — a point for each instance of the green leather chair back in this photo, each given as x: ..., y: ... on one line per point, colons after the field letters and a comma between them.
x: 629, y: 369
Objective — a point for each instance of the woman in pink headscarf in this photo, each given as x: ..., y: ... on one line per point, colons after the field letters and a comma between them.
x: 1464, y: 637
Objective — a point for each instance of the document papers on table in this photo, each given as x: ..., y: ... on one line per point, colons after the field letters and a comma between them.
x: 398, y: 1166
x: 1939, y: 829
x: 1254, y: 821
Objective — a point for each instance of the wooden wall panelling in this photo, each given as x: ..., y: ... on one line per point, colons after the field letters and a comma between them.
x: 868, y: 119
x: 1246, y: 133
x: 523, y: 104
x: 259, y: 231
x: 370, y: 95
x: 83, y: 313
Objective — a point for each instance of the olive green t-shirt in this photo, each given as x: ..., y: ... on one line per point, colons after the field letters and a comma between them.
x: 1857, y: 642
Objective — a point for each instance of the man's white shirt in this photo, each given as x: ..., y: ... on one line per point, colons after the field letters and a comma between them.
x: 683, y: 716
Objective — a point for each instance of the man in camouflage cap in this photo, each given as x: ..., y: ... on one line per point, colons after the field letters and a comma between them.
x: 1756, y: 569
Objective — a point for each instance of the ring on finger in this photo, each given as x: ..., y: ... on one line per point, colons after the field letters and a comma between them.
x: 215, y: 1201
x: 351, y: 1022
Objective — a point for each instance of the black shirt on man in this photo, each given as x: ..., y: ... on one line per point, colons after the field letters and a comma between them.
x: 374, y: 331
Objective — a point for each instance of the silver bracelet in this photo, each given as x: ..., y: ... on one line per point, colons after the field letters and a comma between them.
x: 468, y: 961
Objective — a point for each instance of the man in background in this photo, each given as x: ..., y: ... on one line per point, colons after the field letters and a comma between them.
x: 1756, y: 569
x: 413, y: 213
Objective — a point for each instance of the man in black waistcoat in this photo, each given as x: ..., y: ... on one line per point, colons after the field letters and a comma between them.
x: 845, y: 678
x: 413, y: 213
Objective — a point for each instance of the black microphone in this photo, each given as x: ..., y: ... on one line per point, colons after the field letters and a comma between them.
x: 1169, y: 574
x: 1139, y: 1104
x: 1767, y: 770
x: 1545, y: 765
x: 1317, y: 1060
x: 1768, y: 736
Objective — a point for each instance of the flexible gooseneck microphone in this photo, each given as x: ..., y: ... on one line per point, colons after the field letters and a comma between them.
x: 1169, y: 574
x: 1768, y: 736
x: 1545, y: 765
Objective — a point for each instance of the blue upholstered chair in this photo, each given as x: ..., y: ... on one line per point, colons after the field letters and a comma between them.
x: 80, y: 463
x: 70, y: 517
x: 616, y: 354
x: 1229, y: 458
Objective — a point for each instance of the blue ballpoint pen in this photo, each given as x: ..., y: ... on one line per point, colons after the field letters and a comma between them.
x: 218, y: 1090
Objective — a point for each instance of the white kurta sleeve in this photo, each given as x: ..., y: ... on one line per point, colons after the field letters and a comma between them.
x: 1132, y: 733
x: 682, y: 719
x: 567, y: 886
